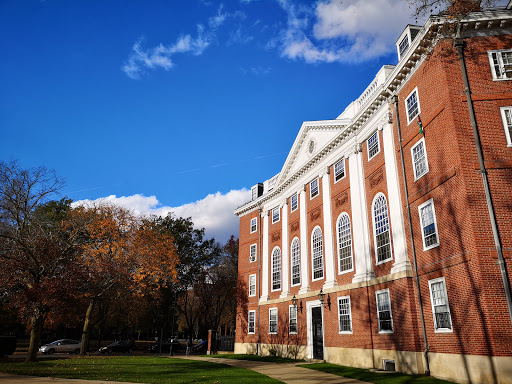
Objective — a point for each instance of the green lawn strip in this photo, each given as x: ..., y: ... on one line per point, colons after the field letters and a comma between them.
x: 374, y: 377
x: 138, y: 369
x: 266, y: 359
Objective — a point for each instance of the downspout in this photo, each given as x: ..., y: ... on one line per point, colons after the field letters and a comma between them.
x: 259, y: 279
x: 459, y: 45
x: 408, y: 206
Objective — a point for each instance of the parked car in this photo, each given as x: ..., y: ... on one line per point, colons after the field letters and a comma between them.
x: 201, y: 347
x: 61, y: 346
x: 166, y: 346
x: 119, y: 346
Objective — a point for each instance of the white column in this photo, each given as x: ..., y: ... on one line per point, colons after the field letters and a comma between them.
x: 285, y: 257
x: 396, y: 217
x: 360, y: 226
x: 264, y: 256
x: 304, y: 241
x: 330, y: 276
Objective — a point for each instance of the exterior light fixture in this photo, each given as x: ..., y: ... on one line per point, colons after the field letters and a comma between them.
x: 295, y: 301
x: 321, y: 297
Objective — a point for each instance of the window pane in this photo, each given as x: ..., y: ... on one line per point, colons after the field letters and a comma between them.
x: 412, y: 106
x: 428, y: 224
x: 345, y: 243
x: 339, y: 170
x: 373, y: 145
x: 382, y: 229
x: 314, y: 188
x: 318, y: 253
x: 344, y: 315
x: 295, y: 262
x: 440, y: 305
x: 419, y: 159
x: 294, y: 202
x: 293, y: 319
x: 276, y: 269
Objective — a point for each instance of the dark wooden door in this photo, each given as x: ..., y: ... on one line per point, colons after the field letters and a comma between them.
x: 318, y: 340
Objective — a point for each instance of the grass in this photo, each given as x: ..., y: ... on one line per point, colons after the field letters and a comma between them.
x: 374, y: 377
x: 267, y: 359
x: 138, y: 369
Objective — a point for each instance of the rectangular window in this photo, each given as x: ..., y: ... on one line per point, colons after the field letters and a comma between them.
x: 428, y: 225
x: 412, y: 106
x: 294, y: 202
x: 501, y: 64
x: 440, y: 307
x: 419, y: 159
x: 272, y: 320
x: 252, y: 285
x: 275, y: 215
x: 373, y: 145
x: 254, y: 224
x: 292, y: 319
x: 344, y: 314
x: 339, y: 170
x: 313, y: 188
x: 251, y: 321
x: 506, y: 115
x: 384, y: 311
x: 254, y: 192
x: 252, y: 256
x: 404, y: 45
x: 295, y: 252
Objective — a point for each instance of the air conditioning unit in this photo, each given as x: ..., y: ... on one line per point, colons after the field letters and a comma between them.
x: 388, y: 365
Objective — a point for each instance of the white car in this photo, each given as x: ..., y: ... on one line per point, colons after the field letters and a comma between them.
x: 61, y: 346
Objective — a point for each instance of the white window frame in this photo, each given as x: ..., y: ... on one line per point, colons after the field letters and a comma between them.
x: 252, y: 285
x: 295, y: 240
x: 506, y: 126
x: 377, y: 138
x: 411, y: 119
x: 255, y: 225
x: 276, y: 274
x: 292, y: 309
x: 377, y: 262
x: 251, y: 248
x: 430, y: 283
x: 342, y: 162
x: 270, y: 310
x: 425, y: 159
x: 253, y: 322
x: 276, y: 215
x: 342, y: 332
x: 311, y: 197
x: 499, y: 57
x: 342, y: 215
x: 402, y: 49
x: 428, y: 202
x: 377, y: 293
x: 296, y: 197
x: 313, y: 255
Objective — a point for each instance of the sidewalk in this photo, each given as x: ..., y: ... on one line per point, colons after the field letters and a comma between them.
x: 288, y: 373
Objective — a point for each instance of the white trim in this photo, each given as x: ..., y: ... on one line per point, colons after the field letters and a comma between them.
x: 278, y: 210
x: 255, y: 245
x: 277, y: 321
x: 377, y: 262
x: 248, y: 322
x: 291, y: 262
x: 416, y: 176
x: 342, y: 160
x: 390, y: 310
x: 311, y: 188
x: 425, y: 248
x: 312, y: 256
x: 349, y: 314
x: 309, y: 306
x: 255, y: 285
x: 291, y: 204
x: 500, y: 63
x: 376, y: 134
x: 296, y: 319
x: 340, y: 272
x: 433, y: 281
x: 409, y: 120
x: 276, y: 248
x: 255, y: 224
x: 505, y: 124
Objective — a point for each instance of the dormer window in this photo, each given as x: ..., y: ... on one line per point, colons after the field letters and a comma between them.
x: 403, y: 46
x: 406, y: 39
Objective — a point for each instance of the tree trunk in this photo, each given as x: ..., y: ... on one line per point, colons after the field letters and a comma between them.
x: 86, y: 330
x: 35, y: 337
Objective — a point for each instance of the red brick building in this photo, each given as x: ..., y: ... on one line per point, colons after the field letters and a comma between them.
x: 329, y: 266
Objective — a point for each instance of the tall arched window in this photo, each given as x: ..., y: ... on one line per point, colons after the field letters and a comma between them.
x: 344, y: 244
x: 295, y: 253
x: 276, y: 269
x: 318, y: 254
x: 381, y: 229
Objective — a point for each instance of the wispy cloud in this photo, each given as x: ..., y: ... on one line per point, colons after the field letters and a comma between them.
x: 256, y: 70
x: 214, y: 212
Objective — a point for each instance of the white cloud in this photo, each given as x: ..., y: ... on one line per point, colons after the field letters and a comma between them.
x: 214, y: 212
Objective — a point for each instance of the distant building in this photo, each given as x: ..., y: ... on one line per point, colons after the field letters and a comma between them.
x: 335, y: 221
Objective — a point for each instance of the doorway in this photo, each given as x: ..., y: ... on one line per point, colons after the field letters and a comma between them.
x: 317, y: 333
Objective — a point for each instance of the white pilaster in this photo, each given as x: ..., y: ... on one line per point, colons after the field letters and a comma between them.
x: 264, y: 256
x: 396, y: 218
x: 285, y: 257
x: 360, y: 227
x: 304, y: 265
x: 330, y: 277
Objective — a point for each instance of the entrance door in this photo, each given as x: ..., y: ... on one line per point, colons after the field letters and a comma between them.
x: 318, y: 340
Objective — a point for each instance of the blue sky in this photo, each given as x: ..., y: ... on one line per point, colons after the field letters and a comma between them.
x: 180, y: 105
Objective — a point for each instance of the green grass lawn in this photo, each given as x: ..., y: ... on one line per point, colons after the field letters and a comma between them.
x: 374, y: 377
x: 267, y: 359
x: 138, y: 369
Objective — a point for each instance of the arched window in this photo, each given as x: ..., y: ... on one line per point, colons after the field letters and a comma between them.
x: 318, y: 254
x: 381, y: 229
x: 295, y: 253
x: 344, y: 244
x: 276, y: 269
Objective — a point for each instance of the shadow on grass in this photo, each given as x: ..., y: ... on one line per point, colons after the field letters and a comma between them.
x: 374, y: 377
x: 266, y: 359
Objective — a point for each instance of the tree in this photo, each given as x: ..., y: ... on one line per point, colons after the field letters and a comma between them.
x: 37, y: 256
x: 455, y: 9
